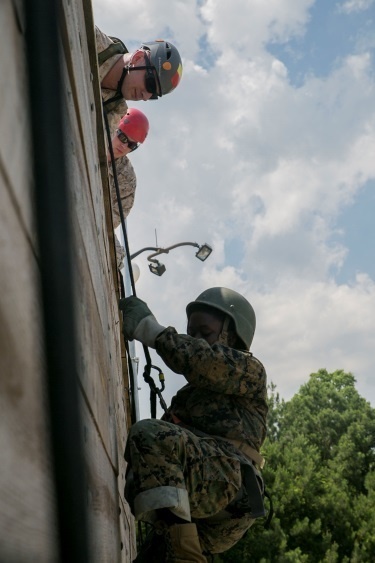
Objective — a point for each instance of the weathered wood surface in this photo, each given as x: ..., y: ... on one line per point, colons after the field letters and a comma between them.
x: 27, y: 531
x: 26, y: 498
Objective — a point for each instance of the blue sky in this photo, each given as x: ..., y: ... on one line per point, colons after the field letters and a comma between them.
x: 331, y: 34
x: 266, y: 152
x: 357, y: 232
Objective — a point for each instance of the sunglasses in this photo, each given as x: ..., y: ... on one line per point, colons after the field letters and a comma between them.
x: 124, y: 139
x: 152, y: 85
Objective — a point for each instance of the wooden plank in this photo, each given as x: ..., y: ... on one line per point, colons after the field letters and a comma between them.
x: 81, y: 77
x: 78, y: 69
x: 26, y: 500
x: 102, y: 497
x: 92, y: 222
x: 127, y: 533
x: 14, y: 124
x: 99, y: 359
x: 90, y: 243
x: 97, y: 364
x: 82, y: 15
x: 100, y: 369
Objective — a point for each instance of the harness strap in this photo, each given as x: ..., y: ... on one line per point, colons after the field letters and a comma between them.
x: 223, y: 337
x: 249, y: 452
x: 115, y: 48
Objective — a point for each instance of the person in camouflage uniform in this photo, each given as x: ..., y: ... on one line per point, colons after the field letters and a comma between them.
x: 122, y: 77
x: 131, y: 132
x: 189, y: 468
x: 152, y: 71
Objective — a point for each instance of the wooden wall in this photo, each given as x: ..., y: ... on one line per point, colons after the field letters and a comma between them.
x: 27, y: 526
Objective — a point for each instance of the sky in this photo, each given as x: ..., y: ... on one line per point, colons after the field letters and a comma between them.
x: 266, y: 151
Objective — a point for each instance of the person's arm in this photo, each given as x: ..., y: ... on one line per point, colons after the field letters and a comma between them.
x: 139, y: 323
x: 127, y: 183
x: 218, y: 368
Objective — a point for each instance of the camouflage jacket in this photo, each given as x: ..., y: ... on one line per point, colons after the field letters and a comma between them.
x: 226, y: 394
x: 114, y: 116
x: 127, y: 183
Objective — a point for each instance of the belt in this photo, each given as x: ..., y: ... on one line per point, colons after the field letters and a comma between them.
x: 249, y: 452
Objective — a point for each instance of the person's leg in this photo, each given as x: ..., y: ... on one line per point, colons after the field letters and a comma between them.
x: 178, y: 475
x: 155, y: 451
x: 178, y: 543
x: 175, y: 469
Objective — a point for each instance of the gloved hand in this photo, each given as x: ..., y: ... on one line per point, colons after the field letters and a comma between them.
x: 139, y: 322
x: 134, y: 311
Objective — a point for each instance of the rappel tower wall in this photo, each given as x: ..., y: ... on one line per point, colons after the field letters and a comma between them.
x: 27, y: 502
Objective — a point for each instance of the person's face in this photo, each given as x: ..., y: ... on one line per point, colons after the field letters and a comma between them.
x: 134, y: 85
x: 202, y: 324
x: 119, y: 148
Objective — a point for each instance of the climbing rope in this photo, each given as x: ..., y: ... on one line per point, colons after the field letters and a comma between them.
x: 155, y: 391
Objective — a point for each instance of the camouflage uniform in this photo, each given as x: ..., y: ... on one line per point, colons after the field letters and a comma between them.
x: 127, y: 183
x: 127, y: 180
x: 225, y: 397
x: 116, y: 113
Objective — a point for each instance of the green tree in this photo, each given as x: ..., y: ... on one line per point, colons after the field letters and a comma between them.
x: 320, y: 470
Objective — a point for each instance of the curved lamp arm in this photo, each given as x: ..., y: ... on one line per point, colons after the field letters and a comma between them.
x: 150, y: 258
x: 202, y: 253
x: 143, y: 250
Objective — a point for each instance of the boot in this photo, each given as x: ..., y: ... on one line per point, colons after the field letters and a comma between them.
x: 183, y: 544
x: 154, y: 546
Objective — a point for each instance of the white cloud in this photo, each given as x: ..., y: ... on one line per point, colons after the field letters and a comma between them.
x: 304, y: 327
x: 248, y: 24
x: 355, y: 6
x: 239, y: 24
x: 240, y: 156
x: 176, y: 21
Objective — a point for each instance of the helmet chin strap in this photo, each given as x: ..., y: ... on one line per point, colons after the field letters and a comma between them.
x: 118, y: 95
x: 125, y: 71
x: 223, y: 338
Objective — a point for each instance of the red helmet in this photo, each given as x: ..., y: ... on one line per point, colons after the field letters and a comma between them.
x: 135, y: 125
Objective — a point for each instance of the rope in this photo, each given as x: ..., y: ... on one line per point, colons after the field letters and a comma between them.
x: 154, y: 390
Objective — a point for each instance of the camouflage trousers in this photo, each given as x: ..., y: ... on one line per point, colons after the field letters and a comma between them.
x: 166, y: 458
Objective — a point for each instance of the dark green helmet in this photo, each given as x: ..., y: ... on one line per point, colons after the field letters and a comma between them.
x: 232, y: 304
x: 166, y: 60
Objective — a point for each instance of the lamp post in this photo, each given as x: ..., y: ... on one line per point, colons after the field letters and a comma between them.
x: 157, y: 268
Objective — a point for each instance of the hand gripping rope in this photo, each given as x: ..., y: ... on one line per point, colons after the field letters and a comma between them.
x: 154, y: 390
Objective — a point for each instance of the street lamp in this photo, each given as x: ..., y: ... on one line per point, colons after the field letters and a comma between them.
x: 157, y: 268
x: 203, y: 252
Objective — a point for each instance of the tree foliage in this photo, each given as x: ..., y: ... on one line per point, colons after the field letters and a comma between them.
x: 320, y: 471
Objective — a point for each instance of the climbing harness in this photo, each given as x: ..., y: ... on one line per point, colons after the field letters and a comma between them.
x: 250, y: 497
x: 154, y: 390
